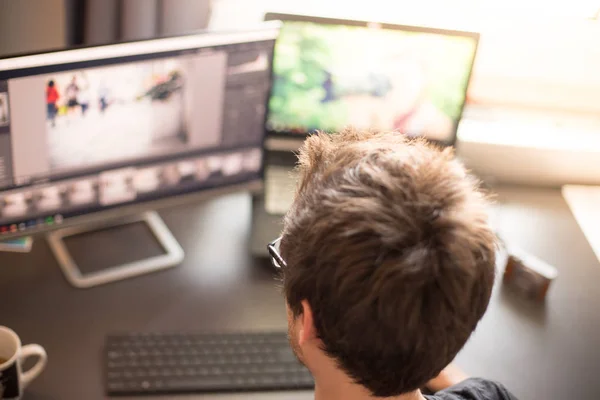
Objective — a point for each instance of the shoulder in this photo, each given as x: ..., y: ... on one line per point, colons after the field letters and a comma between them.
x: 475, y: 389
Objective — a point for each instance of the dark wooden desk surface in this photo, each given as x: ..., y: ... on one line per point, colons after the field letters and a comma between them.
x: 549, y: 352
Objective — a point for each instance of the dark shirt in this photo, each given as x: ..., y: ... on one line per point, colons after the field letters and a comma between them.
x: 474, y: 389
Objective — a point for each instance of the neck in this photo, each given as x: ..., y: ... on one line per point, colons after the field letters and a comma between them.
x: 346, y: 393
x: 332, y: 383
x: 335, y: 385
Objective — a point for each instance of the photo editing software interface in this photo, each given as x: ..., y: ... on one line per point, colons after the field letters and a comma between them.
x: 78, y: 137
x: 329, y: 75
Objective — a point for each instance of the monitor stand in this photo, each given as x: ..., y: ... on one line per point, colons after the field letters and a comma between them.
x: 173, y: 253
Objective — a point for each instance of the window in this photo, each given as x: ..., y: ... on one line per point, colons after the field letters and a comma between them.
x: 533, y: 54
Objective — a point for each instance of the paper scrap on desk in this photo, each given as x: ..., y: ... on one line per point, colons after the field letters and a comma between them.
x: 584, y: 202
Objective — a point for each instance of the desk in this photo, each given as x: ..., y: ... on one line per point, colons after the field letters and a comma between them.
x: 550, y: 353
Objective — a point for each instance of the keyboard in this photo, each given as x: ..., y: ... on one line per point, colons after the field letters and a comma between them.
x: 171, y: 363
x: 280, y: 186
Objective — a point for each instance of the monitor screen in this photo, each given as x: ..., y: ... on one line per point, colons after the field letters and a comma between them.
x: 86, y: 130
x: 329, y: 74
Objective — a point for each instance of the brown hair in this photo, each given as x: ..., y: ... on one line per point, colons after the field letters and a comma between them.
x: 388, y: 241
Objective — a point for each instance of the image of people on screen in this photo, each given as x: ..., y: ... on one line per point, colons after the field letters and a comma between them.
x: 117, y: 186
x: 327, y: 77
x: 106, y: 114
x: 16, y: 204
x: 81, y: 192
x: 4, y: 118
x: 52, y: 97
x: 50, y: 198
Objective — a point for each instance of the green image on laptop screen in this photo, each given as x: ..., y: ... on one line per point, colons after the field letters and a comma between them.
x: 327, y: 77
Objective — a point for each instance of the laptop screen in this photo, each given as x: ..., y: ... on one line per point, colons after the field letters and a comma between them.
x: 328, y: 76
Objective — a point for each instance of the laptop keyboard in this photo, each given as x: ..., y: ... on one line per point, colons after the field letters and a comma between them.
x: 280, y: 185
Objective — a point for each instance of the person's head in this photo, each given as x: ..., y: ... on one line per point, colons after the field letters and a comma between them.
x: 389, y: 259
x: 51, y: 83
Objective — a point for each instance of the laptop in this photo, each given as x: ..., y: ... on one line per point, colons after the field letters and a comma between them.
x: 331, y: 73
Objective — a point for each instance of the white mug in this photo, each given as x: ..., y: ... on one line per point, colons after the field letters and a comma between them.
x: 12, y: 355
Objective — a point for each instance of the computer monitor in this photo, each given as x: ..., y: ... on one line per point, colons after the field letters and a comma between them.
x: 332, y: 73
x: 101, y: 132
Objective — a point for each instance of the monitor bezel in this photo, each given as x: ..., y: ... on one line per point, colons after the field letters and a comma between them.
x: 288, y: 17
x: 252, y: 186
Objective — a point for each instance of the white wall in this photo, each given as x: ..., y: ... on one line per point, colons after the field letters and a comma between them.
x: 31, y: 25
x: 552, y: 65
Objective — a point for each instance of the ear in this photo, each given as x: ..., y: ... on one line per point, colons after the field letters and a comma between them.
x: 307, y: 328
